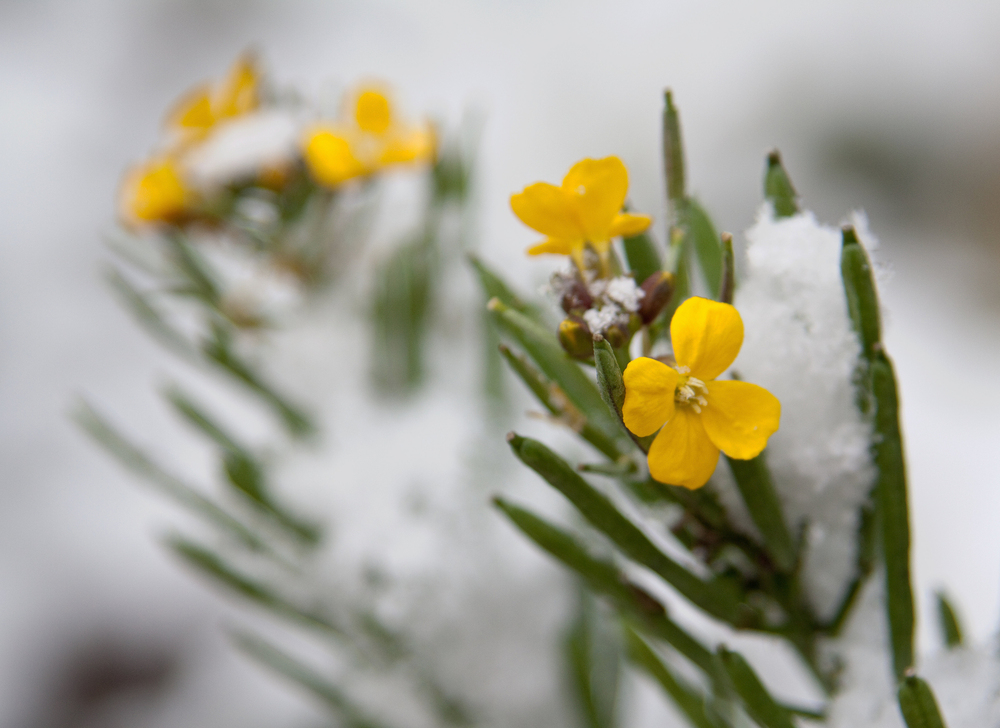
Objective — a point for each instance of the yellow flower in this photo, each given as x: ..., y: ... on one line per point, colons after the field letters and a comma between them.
x: 587, y: 208
x: 698, y: 415
x: 370, y: 140
x: 197, y: 114
x: 154, y: 192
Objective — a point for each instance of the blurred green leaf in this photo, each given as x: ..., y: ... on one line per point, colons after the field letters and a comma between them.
x: 951, y: 628
x: 758, y: 702
x: 147, y: 316
x: 728, y: 286
x: 642, y: 256
x: 697, y: 224
x: 918, y: 705
x: 594, y: 651
x: 612, y: 387
x: 859, y: 287
x: 753, y: 478
x: 778, y: 187
x: 673, y: 150
x: 495, y: 287
x: 603, y: 515
x: 688, y: 699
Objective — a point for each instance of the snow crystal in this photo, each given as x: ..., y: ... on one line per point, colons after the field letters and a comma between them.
x: 601, y: 319
x: 800, y: 345
x: 623, y: 291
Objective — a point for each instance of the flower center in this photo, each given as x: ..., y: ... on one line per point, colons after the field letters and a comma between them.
x: 690, y: 390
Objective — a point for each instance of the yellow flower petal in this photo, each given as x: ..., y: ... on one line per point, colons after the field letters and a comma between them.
x: 193, y: 111
x: 237, y: 94
x: 649, y: 395
x: 373, y: 112
x: 546, y: 208
x: 682, y: 454
x: 628, y: 224
x: 330, y: 158
x: 554, y: 245
x: 154, y: 192
x: 740, y: 417
x: 597, y: 188
x: 411, y: 146
x: 707, y: 336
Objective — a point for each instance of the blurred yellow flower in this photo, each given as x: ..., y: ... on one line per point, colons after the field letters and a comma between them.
x: 698, y: 415
x: 587, y: 208
x: 202, y: 109
x: 371, y: 140
x: 154, y: 192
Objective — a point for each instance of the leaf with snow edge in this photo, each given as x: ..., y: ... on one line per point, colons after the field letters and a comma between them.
x: 594, y: 651
x: 753, y: 478
x: 859, y: 287
x: 951, y: 628
x: 495, y: 287
x: 727, y: 287
x: 712, y: 597
x: 918, y: 705
x: 551, y: 398
x: 612, y: 387
x: 149, y: 317
x: 758, y: 702
x: 704, y: 240
x: 778, y: 187
x: 686, y: 697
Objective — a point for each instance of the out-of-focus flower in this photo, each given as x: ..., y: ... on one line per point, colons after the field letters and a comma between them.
x: 154, y: 192
x: 698, y: 415
x: 587, y: 208
x: 201, y: 110
x: 373, y: 138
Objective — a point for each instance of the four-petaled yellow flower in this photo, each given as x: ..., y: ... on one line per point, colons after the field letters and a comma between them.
x: 587, y: 208
x: 201, y: 110
x: 370, y: 140
x: 698, y: 415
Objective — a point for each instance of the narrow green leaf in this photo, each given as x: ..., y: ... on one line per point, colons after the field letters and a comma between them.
x: 859, y: 288
x: 728, y: 286
x: 304, y: 676
x: 681, y: 261
x: 612, y: 387
x: 215, y: 567
x: 543, y: 347
x: 555, y: 401
x: 673, y: 150
x: 688, y: 699
x: 642, y: 256
x: 894, y: 513
x: 778, y: 187
x: 603, y: 515
x: 594, y: 653
x: 918, y: 705
x: 705, y: 241
x: 753, y: 478
x: 195, y: 268
x: 133, y: 458
x: 495, y: 287
x: 756, y: 699
x: 196, y: 415
x: 148, y: 317
x: 638, y: 606
x: 951, y: 628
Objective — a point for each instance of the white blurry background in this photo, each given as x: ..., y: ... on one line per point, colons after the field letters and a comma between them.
x: 891, y: 108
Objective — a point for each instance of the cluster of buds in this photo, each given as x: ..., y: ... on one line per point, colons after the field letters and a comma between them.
x: 614, y: 307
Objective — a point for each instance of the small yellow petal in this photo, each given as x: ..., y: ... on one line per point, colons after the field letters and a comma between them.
x: 649, y: 395
x: 373, y: 112
x: 707, y: 336
x: 416, y: 145
x: 330, y: 158
x: 193, y: 111
x: 556, y: 246
x: 682, y: 454
x: 546, y: 208
x: 238, y: 93
x: 740, y: 417
x: 597, y: 188
x: 628, y: 224
x: 154, y: 192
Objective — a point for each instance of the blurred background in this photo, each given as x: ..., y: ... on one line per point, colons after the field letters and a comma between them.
x: 891, y: 108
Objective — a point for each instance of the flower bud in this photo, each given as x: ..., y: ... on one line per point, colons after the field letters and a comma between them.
x: 617, y: 335
x: 658, y: 289
x: 577, y: 297
x: 575, y: 337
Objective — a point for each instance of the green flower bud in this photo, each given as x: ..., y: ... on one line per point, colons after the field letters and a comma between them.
x: 575, y: 337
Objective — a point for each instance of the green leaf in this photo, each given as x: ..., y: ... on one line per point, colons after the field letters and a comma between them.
x: 304, y: 676
x: 728, y: 285
x: 680, y: 257
x: 196, y: 269
x: 148, y: 317
x: 133, y: 458
x: 758, y: 702
x: 594, y: 652
x: 603, y: 515
x: 495, y: 287
x: 673, y: 150
x: 196, y: 415
x: 642, y: 256
x: 215, y: 567
x: 918, y: 705
x: 859, y: 288
x: 687, y: 698
x: 753, y: 478
x: 705, y: 240
x: 778, y: 187
x: 555, y: 401
x: 543, y: 347
x: 894, y: 513
x: 611, y: 385
x: 951, y: 628
x: 638, y: 606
